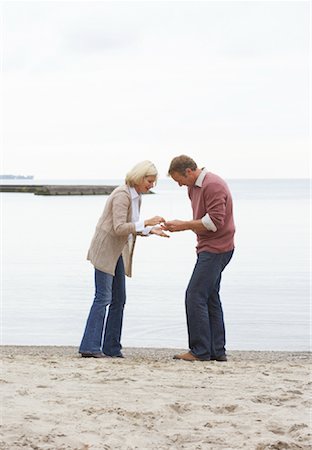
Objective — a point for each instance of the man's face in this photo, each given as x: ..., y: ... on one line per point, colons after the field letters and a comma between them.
x: 183, y: 180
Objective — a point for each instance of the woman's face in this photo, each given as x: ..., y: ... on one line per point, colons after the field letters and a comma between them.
x: 145, y: 185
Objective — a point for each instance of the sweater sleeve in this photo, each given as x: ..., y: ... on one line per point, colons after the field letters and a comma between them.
x: 120, y: 209
x: 215, y: 204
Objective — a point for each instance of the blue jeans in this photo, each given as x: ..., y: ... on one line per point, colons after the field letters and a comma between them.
x: 203, y: 306
x: 109, y: 291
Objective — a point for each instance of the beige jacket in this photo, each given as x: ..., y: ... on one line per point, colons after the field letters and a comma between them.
x: 111, y: 238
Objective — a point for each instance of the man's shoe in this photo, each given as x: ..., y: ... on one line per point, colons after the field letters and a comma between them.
x: 115, y: 356
x: 187, y: 357
x: 221, y: 358
x: 93, y: 355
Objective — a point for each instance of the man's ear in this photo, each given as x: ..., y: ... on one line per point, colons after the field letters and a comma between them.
x: 188, y: 171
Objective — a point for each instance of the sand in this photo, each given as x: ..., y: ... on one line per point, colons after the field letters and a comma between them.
x: 54, y: 399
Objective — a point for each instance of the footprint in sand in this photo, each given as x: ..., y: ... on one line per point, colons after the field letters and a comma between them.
x: 267, y: 399
x: 22, y: 392
x: 279, y: 445
x: 31, y: 417
x: 225, y: 409
x: 297, y: 427
x: 276, y: 429
x: 180, y: 408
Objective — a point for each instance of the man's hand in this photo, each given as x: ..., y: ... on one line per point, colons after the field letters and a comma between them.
x: 175, y: 225
x: 159, y: 231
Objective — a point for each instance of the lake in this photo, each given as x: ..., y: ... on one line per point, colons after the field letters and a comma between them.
x: 47, y: 284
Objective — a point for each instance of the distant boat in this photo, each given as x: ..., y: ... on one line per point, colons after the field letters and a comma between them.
x: 16, y: 177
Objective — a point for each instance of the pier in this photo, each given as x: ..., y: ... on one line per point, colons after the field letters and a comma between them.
x: 57, y: 189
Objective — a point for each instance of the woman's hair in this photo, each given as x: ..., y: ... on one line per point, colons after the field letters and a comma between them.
x: 139, y: 171
x: 180, y: 163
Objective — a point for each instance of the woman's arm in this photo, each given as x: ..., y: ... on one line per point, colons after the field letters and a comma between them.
x: 120, y: 211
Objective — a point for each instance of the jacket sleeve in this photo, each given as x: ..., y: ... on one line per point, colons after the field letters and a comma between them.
x: 121, y: 205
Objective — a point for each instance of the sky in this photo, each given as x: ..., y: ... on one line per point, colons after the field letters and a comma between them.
x: 90, y: 88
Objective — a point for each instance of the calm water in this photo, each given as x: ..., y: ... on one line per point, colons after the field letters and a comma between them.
x: 48, y: 285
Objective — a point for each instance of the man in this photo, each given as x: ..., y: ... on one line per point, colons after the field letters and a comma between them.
x: 214, y: 226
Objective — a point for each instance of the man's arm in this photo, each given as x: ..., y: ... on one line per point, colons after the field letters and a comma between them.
x: 181, y: 225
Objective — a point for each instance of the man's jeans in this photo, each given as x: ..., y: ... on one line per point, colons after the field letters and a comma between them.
x: 109, y: 290
x: 203, y: 306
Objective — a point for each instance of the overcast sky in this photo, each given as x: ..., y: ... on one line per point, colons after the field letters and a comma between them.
x: 90, y: 88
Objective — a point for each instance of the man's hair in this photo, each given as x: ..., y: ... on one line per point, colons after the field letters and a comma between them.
x: 180, y: 163
x: 139, y: 171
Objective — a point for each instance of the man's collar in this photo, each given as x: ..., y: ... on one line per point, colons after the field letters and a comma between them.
x: 133, y: 193
x: 200, y: 179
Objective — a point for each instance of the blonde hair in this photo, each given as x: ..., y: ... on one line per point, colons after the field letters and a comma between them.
x: 139, y: 171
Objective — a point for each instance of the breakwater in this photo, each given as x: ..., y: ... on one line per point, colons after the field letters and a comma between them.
x: 64, y: 189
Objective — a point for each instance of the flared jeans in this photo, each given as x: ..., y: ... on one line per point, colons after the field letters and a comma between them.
x: 103, y: 328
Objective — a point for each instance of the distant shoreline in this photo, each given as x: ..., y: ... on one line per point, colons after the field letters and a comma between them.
x: 16, y: 177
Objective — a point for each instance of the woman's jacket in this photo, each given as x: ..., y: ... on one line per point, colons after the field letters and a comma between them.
x: 111, y: 238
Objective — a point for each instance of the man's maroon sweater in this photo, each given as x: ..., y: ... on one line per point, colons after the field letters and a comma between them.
x: 213, y: 197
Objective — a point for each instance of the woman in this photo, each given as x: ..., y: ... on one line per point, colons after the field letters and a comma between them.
x: 111, y: 254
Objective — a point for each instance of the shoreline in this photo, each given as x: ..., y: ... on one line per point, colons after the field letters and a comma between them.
x: 52, y: 399
x: 158, y: 352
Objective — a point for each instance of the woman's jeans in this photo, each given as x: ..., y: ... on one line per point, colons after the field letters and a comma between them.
x: 109, y: 291
x: 203, y: 306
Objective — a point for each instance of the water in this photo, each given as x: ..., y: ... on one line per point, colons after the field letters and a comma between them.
x: 48, y: 285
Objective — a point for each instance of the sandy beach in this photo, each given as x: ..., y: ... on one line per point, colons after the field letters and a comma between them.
x: 54, y: 399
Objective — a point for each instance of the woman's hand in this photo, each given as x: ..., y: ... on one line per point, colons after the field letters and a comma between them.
x: 153, y: 221
x: 159, y: 232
